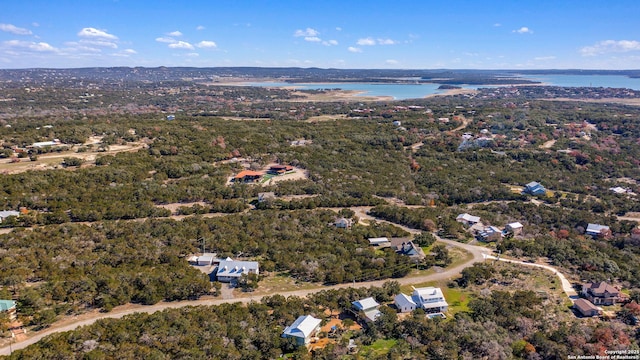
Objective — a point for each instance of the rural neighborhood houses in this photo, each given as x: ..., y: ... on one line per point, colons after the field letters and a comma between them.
x: 231, y: 270
x: 366, y: 309
x: 601, y: 293
x: 6, y: 213
x: 343, y: 223
x: 467, y: 219
x: 303, y: 329
x: 266, y: 196
x: 430, y: 299
x: 380, y: 242
x: 597, y: 230
x: 8, y: 306
x: 534, y: 188
x: 514, y: 228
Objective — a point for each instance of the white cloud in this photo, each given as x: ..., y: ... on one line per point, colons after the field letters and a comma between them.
x: 308, y: 32
x: 386, y: 42
x: 30, y: 45
x: 544, y: 58
x: 497, y: 25
x: 95, y: 33
x: 200, y: 27
x: 14, y: 29
x: 181, y: 45
x: 366, y: 42
x: 330, y: 43
x: 338, y: 29
x: 125, y: 53
x: 175, y: 33
x: 166, y: 40
x: 354, y: 49
x: 392, y: 62
x: 35, y: 24
x: 101, y: 43
x: 523, y: 30
x: 312, y: 39
x: 610, y: 46
x: 206, y: 44
x: 192, y: 54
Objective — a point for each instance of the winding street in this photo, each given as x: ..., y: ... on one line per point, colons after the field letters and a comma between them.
x: 479, y: 254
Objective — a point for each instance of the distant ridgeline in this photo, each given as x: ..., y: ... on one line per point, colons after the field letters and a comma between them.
x: 295, y: 74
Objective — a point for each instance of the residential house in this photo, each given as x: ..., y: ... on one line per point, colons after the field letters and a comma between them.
x: 430, y: 299
x: 404, y: 303
x: 619, y: 190
x: 343, y: 223
x: 534, y: 188
x: 247, y: 176
x: 380, y: 242
x: 10, y: 307
x: 406, y: 247
x: 303, y: 329
x: 514, y: 228
x: 597, y: 230
x: 586, y: 308
x: 490, y: 233
x: 171, y: 117
x: 601, y: 293
x: 266, y: 196
x: 366, y: 309
x: 231, y: 270
x: 467, y: 219
x: 6, y: 213
x: 279, y: 169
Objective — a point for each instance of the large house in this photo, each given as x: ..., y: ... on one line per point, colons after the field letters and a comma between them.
x: 601, y: 293
x: 247, y: 176
x: 10, y: 307
x: 303, y: 329
x: 586, y: 308
x: 467, y: 219
x: 534, y: 188
x: 597, y: 230
x: 367, y: 309
x: 231, y: 270
x: 430, y: 299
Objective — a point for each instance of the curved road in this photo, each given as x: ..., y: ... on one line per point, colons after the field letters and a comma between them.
x: 479, y: 254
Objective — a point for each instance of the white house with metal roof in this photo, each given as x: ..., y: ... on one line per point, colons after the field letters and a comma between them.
x: 430, y: 299
x: 367, y: 309
x: 302, y: 329
x: 404, y: 303
x: 596, y: 230
x: 468, y: 219
x: 231, y: 270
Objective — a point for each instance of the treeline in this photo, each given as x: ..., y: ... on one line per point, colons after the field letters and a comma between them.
x: 73, y: 267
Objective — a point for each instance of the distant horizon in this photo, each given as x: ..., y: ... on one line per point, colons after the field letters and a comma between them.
x: 358, y: 34
x: 319, y: 68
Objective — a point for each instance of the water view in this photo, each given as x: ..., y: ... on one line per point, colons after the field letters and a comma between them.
x: 414, y: 91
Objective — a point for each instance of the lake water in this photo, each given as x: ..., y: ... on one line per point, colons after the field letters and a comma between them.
x: 414, y: 91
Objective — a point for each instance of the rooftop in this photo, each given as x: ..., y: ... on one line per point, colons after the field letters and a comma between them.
x: 302, y: 327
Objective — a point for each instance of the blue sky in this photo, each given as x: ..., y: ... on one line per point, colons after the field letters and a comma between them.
x: 340, y: 34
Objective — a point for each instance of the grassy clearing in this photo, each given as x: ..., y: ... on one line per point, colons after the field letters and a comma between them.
x: 277, y: 283
x: 378, y: 348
